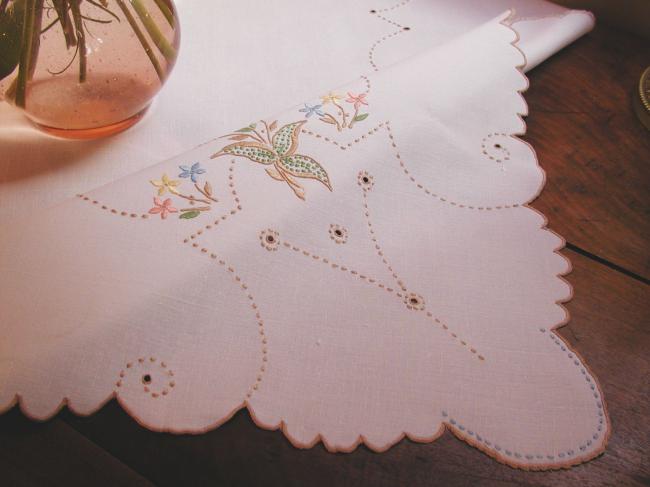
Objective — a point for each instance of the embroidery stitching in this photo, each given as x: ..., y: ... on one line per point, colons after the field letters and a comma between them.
x: 278, y: 151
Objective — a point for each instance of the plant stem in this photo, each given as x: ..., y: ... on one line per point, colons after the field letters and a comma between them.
x: 343, y: 114
x: 81, y: 39
x: 142, y: 39
x: 356, y: 112
x: 62, y: 7
x: 167, y: 12
x: 154, y: 32
x: 29, y: 48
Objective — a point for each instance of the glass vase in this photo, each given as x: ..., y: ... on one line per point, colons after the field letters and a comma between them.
x: 85, y: 68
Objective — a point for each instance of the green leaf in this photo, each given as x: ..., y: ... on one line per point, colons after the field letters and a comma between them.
x: 360, y: 117
x: 305, y: 167
x: 254, y: 151
x: 245, y: 129
x: 11, y: 22
x: 190, y: 214
x: 285, y: 140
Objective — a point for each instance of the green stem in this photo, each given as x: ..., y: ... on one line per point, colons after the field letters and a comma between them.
x: 154, y: 32
x: 62, y: 7
x: 142, y: 39
x: 29, y: 48
x: 167, y: 12
x: 81, y: 39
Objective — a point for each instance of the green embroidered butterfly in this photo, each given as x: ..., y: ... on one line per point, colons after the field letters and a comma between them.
x: 279, y: 152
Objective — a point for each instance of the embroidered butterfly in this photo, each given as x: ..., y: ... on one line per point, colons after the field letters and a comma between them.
x: 279, y: 152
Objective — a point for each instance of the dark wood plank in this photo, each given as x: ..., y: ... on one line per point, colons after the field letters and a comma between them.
x: 595, y: 151
x: 53, y: 454
x: 609, y: 328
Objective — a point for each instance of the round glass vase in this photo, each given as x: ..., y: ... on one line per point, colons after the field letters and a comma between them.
x: 86, y: 68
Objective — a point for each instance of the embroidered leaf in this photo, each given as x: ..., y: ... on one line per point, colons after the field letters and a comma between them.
x: 360, y: 117
x: 305, y: 167
x: 273, y: 125
x: 250, y: 128
x: 239, y: 137
x: 285, y: 140
x: 273, y: 172
x: 254, y: 151
x: 327, y: 120
x: 207, y: 187
x: 190, y: 214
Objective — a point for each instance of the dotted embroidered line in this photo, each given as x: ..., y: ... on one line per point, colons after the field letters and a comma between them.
x: 378, y: 248
x: 371, y: 52
x: 530, y: 456
x: 396, y: 6
x: 386, y: 125
x: 260, y: 322
x: 402, y: 29
x: 342, y: 268
x: 236, y: 208
x: 367, y: 80
x: 386, y: 288
x: 484, y: 147
x: 113, y: 210
x: 431, y: 193
x: 347, y: 145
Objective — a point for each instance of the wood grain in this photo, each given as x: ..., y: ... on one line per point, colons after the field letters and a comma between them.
x: 594, y: 150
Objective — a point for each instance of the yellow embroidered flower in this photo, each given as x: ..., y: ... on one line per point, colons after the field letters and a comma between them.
x: 166, y: 184
x: 330, y: 98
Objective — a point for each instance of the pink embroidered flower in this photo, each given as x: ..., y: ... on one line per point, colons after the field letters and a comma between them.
x: 162, y: 207
x: 357, y: 100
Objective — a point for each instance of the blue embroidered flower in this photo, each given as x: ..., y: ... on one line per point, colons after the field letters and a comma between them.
x: 191, y: 172
x: 309, y: 111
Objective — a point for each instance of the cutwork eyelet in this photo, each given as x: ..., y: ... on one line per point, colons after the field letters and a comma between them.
x: 414, y: 301
x: 270, y: 239
x: 365, y: 180
x: 494, y: 147
x: 338, y: 233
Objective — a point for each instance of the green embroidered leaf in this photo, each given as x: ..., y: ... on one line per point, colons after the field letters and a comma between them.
x: 285, y: 140
x: 190, y: 214
x: 11, y: 21
x: 360, y: 117
x: 245, y: 129
x: 305, y: 167
x: 254, y: 151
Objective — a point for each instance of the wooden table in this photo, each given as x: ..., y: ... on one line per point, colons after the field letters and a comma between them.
x: 596, y: 155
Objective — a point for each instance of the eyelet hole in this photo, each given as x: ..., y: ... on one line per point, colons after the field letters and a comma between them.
x: 146, y: 379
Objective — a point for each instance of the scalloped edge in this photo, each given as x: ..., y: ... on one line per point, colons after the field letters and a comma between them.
x: 282, y: 426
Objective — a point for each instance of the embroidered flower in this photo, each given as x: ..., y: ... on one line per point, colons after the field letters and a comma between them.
x: 270, y: 239
x: 357, y: 100
x: 191, y: 172
x: 309, y: 111
x: 365, y: 180
x: 166, y: 184
x: 330, y: 98
x: 163, y: 208
x: 338, y: 233
x: 414, y: 301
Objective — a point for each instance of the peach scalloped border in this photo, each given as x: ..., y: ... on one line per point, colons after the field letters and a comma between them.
x: 281, y: 425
